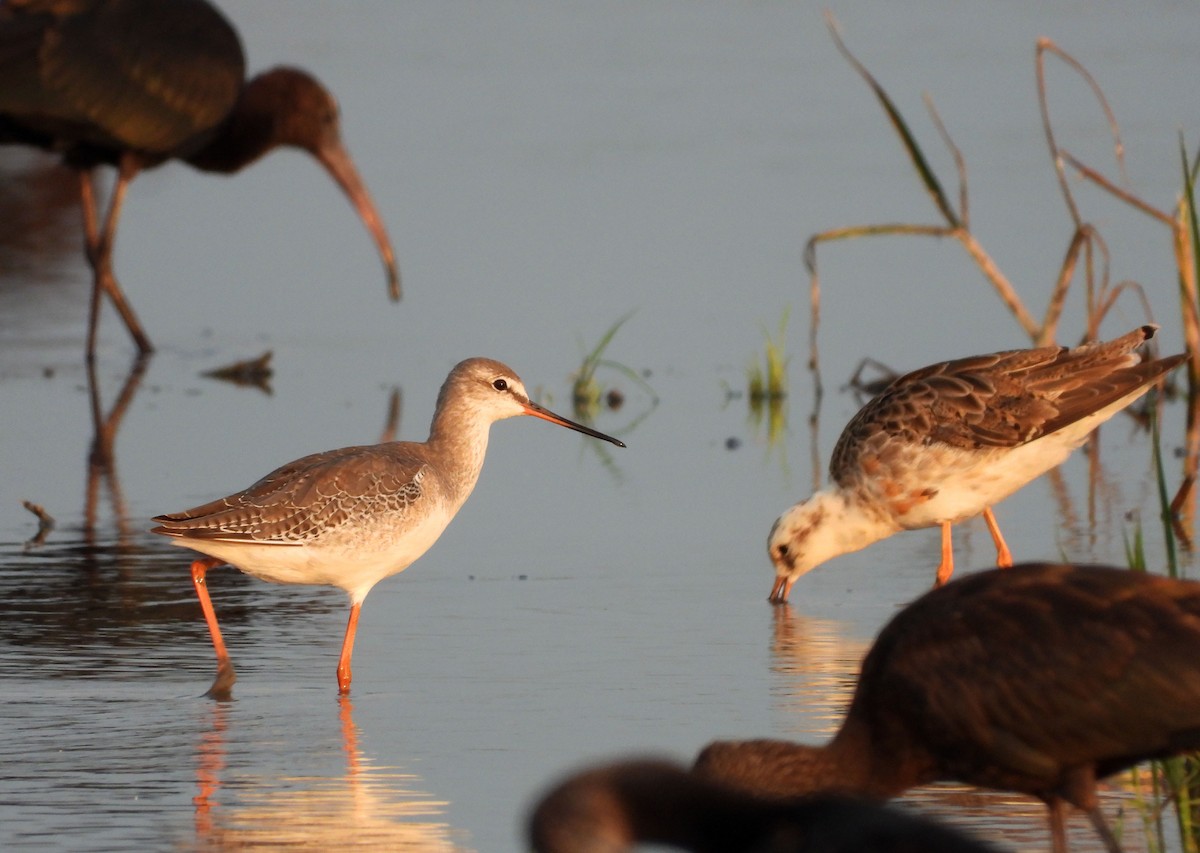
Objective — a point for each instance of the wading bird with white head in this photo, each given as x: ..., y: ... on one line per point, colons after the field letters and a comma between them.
x: 947, y: 442
x: 351, y: 517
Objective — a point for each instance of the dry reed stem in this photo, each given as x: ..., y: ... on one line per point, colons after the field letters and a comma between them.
x: 1085, y: 240
x: 45, y: 524
x: 1124, y: 195
x: 960, y: 162
x: 391, y: 423
x: 957, y: 223
x: 1008, y: 294
x: 814, y: 281
x: 1184, y: 261
x: 1046, y: 45
x: 928, y: 178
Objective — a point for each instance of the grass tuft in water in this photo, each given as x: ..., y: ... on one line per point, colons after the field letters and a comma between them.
x: 766, y: 380
x: 588, y: 395
x: 1174, y: 780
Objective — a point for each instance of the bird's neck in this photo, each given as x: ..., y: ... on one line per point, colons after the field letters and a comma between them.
x: 280, y: 107
x: 846, y: 765
x: 850, y: 523
x: 459, y: 437
x: 688, y: 812
x: 245, y: 135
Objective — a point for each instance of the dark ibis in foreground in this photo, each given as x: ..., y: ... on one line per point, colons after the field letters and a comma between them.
x: 643, y: 801
x: 134, y: 83
x: 1039, y: 679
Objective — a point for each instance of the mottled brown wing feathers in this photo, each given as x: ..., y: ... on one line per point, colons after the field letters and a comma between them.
x: 319, y: 492
x: 1000, y: 400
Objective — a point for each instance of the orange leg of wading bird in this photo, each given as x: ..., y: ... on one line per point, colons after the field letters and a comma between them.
x: 1003, y: 555
x: 343, y: 670
x: 947, y: 566
x: 223, y: 683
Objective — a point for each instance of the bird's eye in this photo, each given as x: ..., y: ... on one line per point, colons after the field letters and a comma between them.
x: 500, y: 385
x: 782, y: 550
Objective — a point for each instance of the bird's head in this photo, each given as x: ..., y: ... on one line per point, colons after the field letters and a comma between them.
x: 807, y: 535
x: 290, y: 107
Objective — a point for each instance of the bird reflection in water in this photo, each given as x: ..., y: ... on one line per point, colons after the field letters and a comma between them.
x: 366, y: 807
x: 814, y: 666
x: 39, y: 211
x: 101, y: 459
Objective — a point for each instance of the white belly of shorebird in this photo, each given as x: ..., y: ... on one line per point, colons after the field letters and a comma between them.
x: 353, y: 558
x: 979, y: 481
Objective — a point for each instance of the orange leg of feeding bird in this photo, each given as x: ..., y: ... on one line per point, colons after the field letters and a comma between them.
x: 99, y: 252
x: 946, y: 568
x: 343, y: 670
x: 1003, y: 555
x: 225, y: 675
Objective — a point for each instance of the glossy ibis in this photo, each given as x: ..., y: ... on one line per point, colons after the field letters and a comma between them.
x: 944, y: 443
x: 351, y: 517
x: 613, y: 807
x: 134, y: 83
x: 1039, y: 679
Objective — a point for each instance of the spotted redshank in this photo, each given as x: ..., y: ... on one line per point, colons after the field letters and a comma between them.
x: 947, y: 442
x: 351, y: 517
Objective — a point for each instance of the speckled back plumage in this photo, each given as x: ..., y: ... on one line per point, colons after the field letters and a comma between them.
x: 360, y: 489
x: 312, y: 498
x: 1001, y: 400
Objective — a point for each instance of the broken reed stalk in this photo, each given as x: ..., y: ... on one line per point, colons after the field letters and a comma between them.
x: 957, y: 223
x: 1085, y: 241
x: 45, y: 523
x: 1180, y: 222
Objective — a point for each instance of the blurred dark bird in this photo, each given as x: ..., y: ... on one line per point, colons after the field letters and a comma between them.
x: 1039, y: 679
x: 134, y: 83
x: 612, y: 808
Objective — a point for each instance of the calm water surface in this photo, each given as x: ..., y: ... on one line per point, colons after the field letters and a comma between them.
x: 544, y: 170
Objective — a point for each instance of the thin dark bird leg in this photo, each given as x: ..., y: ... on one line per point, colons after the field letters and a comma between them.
x: 1003, y: 556
x: 343, y: 670
x: 223, y: 683
x: 99, y: 252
